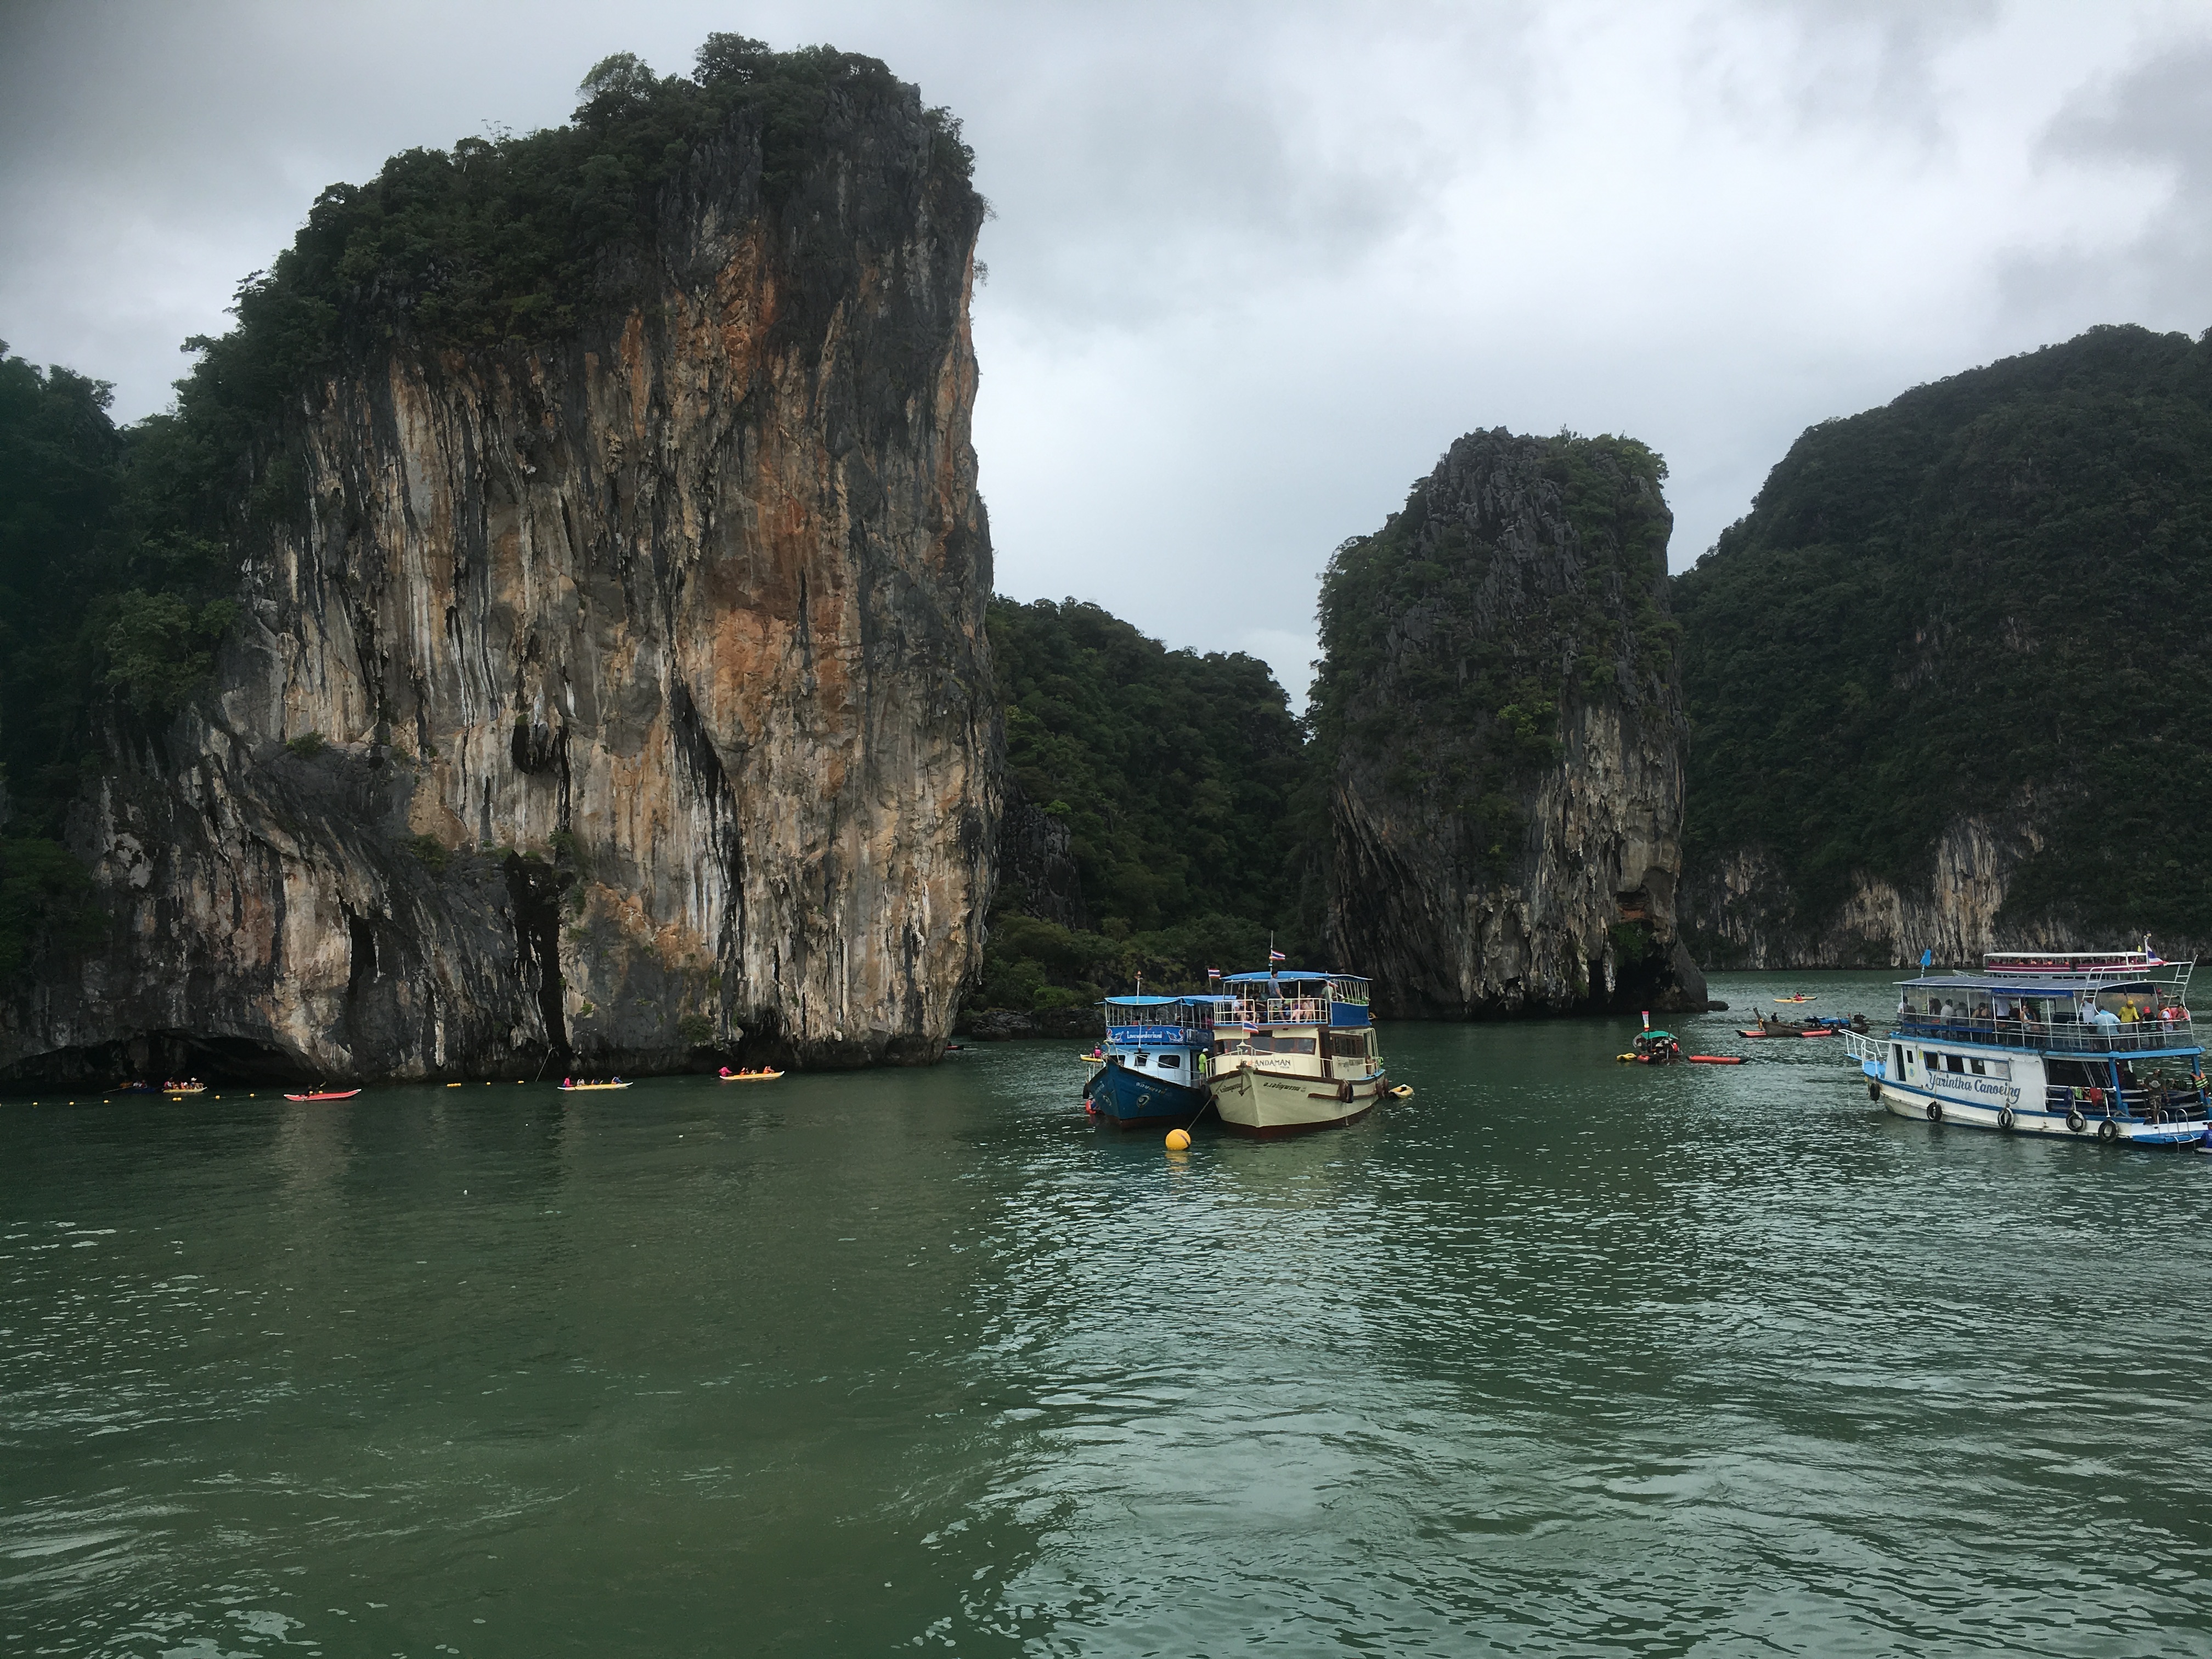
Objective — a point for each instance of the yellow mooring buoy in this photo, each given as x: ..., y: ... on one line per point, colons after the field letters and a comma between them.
x: 1178, y: 1140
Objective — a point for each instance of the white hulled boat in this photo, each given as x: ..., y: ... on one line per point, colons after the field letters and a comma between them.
x: 2099, y: 1046
x: 1293, y: 1051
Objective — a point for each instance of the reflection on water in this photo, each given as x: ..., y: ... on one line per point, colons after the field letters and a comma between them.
x: 1560, y: 1355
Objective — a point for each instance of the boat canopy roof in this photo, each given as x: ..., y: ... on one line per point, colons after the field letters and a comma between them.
x: 1161, y: 1002
x: 2042, y: 985
x: 1263, y: 977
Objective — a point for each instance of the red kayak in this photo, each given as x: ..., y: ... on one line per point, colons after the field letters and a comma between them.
x: 1714, y: 1060
x: 336, y: 1094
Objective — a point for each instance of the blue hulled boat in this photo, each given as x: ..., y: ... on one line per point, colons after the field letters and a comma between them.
x: 1158, y: 1062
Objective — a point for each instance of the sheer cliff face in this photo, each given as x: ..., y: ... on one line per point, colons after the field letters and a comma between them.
x: 1742, y: 911
x: 649, y: 669
x: 1499, y: 710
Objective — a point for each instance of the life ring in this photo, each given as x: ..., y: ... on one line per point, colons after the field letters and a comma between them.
x: 1874, y: 1092
x: 2108, y: 1132
x: 2075, y: 1122
x: 2004, y: 1117
x: 1934, y: 1111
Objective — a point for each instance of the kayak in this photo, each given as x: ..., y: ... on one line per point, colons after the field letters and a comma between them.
x: 327, y: 1094
x: 1826, y: 1031
x: 1714, y: 1060
x: 579, y: 1088
x: 740, y: 1077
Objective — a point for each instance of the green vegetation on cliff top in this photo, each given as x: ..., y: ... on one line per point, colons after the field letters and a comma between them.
x: 1992, y: 596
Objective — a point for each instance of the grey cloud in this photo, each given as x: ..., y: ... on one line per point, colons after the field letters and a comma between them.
x: 2155, y: 119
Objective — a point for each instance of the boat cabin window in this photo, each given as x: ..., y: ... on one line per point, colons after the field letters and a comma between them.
x: 1171, y: 1060
x: 1932, y: 1061
x: 1953, y: 1062
x: 1266, y: 1042
x: 1974, y: 1064
x: 1347, y: 1045
x: 1897, y: 1050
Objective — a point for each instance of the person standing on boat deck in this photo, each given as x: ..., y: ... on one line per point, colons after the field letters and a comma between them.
x: 2129, y: 1014
x: 2105, y: 1017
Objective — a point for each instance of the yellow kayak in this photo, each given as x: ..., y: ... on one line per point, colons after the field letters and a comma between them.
x: 579, y: 1088
x: 750, y: 1077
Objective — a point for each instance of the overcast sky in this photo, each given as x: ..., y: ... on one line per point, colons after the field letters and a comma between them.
x: 1254, y: 265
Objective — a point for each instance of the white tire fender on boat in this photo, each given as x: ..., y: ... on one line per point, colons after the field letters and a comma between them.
x: 2004, y: 1117
x: 2075, y: 1122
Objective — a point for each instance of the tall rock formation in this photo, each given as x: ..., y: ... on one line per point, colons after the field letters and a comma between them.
x: 624, y: 696
x: 1500, y: 734
x: 1943, y: 680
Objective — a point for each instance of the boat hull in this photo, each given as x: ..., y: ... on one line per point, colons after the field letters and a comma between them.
x: 1130, y: 1098
x: 1256, y: 1103
x: 2025, y: 1121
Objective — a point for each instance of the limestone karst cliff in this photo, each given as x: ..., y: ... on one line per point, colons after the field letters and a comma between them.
x: 609, y: 697
x: 1942, y: 678
x: 1499, y: 733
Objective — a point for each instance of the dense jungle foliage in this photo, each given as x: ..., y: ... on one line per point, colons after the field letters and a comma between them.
x: 1176, y: 775
x: 119, y: 549
x: 1991, y: 596
x: 1445, y: 673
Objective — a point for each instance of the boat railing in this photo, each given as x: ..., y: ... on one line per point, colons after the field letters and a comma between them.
x: 1275, y: 1010
x: 2064, y: 1037
x: 2133, y: 1101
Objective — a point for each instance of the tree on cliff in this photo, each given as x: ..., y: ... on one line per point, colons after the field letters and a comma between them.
x: 1988, y: 597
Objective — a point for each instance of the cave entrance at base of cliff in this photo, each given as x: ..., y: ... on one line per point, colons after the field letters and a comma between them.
x: 156, y: 1057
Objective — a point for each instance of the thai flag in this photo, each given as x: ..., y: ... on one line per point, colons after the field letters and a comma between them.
x: 1277, y: 956
x: 1213, y: 973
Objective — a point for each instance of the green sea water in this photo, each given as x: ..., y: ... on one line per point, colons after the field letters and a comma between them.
x: 1558, y: 1356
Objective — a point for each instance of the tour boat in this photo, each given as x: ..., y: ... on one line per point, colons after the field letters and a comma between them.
x: 1294, y: 1051
x: 326, y: 1094
x: 1156, y: 1060
x: 2088, y: 1045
